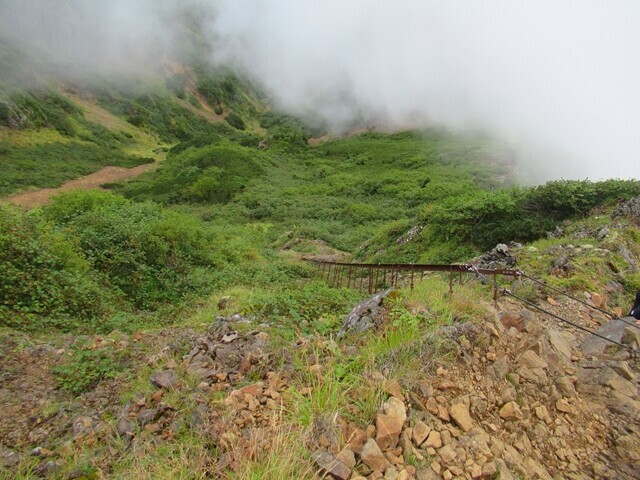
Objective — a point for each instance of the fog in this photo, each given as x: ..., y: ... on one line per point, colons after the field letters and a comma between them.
x: 74, y: 37
x: 558, y: 80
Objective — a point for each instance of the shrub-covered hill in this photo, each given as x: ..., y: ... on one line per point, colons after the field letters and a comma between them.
x: 422, y: 196
x: 221, y: 210
x: 342, y: 192
x: 168, y: 329
x: 54, y: 130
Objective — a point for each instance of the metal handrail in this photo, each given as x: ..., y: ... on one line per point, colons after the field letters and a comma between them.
x: 461, y: 268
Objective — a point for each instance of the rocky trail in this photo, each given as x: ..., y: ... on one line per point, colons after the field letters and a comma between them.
x: 520, y: 400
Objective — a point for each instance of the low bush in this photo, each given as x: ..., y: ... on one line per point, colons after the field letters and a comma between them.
x: 46, y: 281
x: 484, y: 218
x: 309, y: 302
x: 235, y: 121
x: 145, y: 252
x: 86, y: 368
x: 90, y: 255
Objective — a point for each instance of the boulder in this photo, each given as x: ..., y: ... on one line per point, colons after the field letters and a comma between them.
x: 356, y: 440
x: 499, y: 257
x: 125, y: 427
x: 615, y: 330
x: 149, y: 415
x: 392, y: 387
x: 512, y: 320
x: 565, y: 386
x: 447, y: 454
x: 165, y: 379
x: 330, y: 465
x: 562, y: 405
x: 460, y: 415
x: 395, y: 408
x: 597, y: 299
x: 630, y: 208
x: 365, y: 314
x: 631, y: 336
x: 434, y: 440
x: 347, y: 457
x: 388, y: 430
x: 420, y: 433
x: 373, y: 457
x: 531, y: 360
x: 511, y: 411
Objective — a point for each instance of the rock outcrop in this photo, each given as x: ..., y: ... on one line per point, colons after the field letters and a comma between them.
x: 365, y: 315
x: 522, y: 401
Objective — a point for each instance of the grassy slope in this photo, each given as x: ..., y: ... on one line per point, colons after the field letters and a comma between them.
x: 53, y: 133
x: 343, y: 192
x: 404, y: 349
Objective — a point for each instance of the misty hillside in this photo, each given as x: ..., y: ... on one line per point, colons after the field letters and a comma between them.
x: 235, y: 247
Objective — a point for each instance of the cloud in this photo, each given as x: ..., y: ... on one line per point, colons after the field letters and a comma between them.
x: 557, y: 79
x: 72, y: 38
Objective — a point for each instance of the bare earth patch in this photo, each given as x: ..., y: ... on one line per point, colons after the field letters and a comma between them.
x: 42, y: 196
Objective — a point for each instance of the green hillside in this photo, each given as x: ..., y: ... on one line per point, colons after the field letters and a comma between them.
x: 116, y: 302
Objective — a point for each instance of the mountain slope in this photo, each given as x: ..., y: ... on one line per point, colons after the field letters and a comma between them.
x: 473, y: 390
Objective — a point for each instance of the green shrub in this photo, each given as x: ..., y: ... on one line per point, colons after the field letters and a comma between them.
x: 215, y: 173
x: 235, y: 121
x: 45, y: 279
x: 146, y: 253
x: 5, y: 114
x: 207, y: 187
x: 309, y: 302
x: 483, y: 218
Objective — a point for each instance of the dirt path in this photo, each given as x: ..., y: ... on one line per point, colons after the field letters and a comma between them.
x: 42, y: 196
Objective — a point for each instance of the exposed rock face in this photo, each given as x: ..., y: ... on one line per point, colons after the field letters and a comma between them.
x: 617, y: 330
x: 410, y: 235
x: 364, y: 315
x: 629, y: 208
x: 499, y: 257
x: 542, y: 409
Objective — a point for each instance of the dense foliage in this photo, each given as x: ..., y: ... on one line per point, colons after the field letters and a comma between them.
x: 45, y: 280
x: 231, y: 197
x: 522, y: 214
x: 89, y: 249
x: 91, y: 259
x: 211, y: 173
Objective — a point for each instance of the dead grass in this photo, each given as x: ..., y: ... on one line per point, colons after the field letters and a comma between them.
x: 285, y: 457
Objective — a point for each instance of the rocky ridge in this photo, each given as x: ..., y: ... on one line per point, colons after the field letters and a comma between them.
x: 520, y: 402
